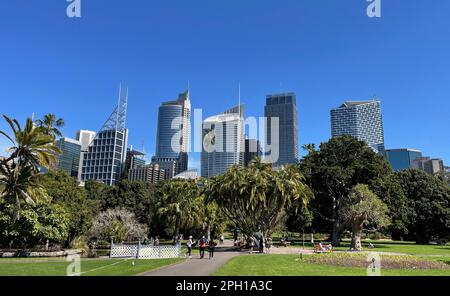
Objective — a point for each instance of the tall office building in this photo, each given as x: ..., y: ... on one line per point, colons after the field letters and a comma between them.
x: 361, y: 120
x: 252, y: 150
x: 105, y: 156
x: 172, y: 139
x: 283, y: 107
x: 402, y: 159
x: 69, y: 159
x: 430, y: 165
x: 85, y: 137
x: 223, y: 142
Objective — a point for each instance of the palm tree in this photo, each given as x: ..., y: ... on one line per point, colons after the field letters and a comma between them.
x: 31, y: 145
x: 51, y: 125
x: 180, y: 203
x: 31, y: 149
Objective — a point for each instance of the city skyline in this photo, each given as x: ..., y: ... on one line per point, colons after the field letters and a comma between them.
x: 389, y: 58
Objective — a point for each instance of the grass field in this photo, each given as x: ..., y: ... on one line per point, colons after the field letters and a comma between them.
x: 89, y: 267
x: 291, y: 265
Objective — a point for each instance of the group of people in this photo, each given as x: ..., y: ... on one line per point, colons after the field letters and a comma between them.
x: 261, y: 245
x: 203, y: 244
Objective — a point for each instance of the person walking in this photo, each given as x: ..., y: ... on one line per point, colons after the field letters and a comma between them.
x: 211, y: 248
x: 268, y: 245
x: 189, y: 244
x: 222, y: 239
x: 202, y: 245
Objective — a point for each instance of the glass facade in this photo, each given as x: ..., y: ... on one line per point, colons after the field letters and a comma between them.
x: 105, y: 157
x: 172, y: 137
x: 402, y: 159
x: 223, y: 142
x: 69, y: 159
x: 283, y: 107
x: 361, y: 120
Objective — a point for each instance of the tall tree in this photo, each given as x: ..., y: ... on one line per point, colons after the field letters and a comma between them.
x: 256, y: 197
x: 428, y: 205
x: 362, y: 207
x: 51, y: 125
x: 180, y: 203
x: 332, y: 171
x: 31, y: 148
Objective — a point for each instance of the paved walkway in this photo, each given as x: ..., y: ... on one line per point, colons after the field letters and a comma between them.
x: 196, y: 266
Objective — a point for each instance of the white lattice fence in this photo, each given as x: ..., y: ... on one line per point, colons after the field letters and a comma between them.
x: 123, y: 251
x: 152, y: 252
x: 144, y: 251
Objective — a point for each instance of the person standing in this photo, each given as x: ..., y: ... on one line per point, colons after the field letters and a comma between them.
x: 189, y: 244
x: 261, y: 244
x: 222, y: 239
x: 211, y: 248
x: 268, y: 245
x: 202, y: 245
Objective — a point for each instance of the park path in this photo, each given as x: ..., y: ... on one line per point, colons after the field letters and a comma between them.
x: 196, y: 266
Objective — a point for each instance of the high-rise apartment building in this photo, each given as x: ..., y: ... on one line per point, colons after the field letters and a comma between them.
x: 223, y: 142
x: 283, y: 108
x: 402, y: 159
x: 105, y: 156
x: 69, y: 159
x: 361, y: 120
x: 151, y: 173
x: 252, y: 150
x: 172, y: 139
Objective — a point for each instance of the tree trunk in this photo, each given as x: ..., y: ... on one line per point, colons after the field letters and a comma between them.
x: 336, y: 231
x: 208, y: 232
x: 356, y: 236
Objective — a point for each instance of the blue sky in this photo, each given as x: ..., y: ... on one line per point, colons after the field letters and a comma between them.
x: 327, y: 51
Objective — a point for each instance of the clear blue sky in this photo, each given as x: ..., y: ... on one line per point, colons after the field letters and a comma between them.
x: 326, y: 51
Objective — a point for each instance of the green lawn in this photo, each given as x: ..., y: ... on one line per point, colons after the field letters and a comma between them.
x: 395, y: 247
x: 290, y: 265
x: 89, y: 267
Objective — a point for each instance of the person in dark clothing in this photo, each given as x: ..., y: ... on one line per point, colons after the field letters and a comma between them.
x: 202, y: 246
x: 211, y: 248
x: 261, y: 244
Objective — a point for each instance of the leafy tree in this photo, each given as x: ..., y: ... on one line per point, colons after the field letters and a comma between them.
x: 64, y: 190
x: 50, y: 125
x: 362, y: 207
x: 118, y: 224
x: 256, y: 197
x: 428, y: 205
x: 180, y: 204
x: 333, y: 170
x: 37, y: 223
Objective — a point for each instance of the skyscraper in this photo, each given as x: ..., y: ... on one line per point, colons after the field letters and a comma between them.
x: 172, y: 139
x: 69, y: 159
x: 402, y: 159
x: 282, y: 106
x: 151, y: 173
x: 223, y: 142
x: 105, y: 158
x: 85, y: 138
x: 361, y: 120
x: 134, y: 159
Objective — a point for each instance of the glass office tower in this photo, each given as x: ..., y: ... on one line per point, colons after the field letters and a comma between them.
x: 69, y: 159
x: 361, y: 120
x: 284, y: 107
x: 104, y: 160
x: 172, y: 138
x: 223, y: 142
x: 402, y: 159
